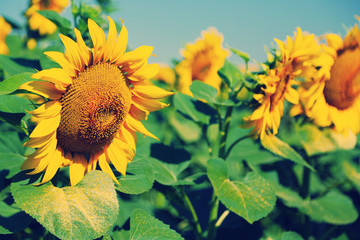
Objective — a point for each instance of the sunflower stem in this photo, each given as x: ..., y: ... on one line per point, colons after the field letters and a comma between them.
x: 233, y: 145
x: 224, y: 129
x: 188, y: 203
x: 305, y: 193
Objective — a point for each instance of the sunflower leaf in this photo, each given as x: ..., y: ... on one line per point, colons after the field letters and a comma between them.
x: 291, y: 236
x: 12, y: 83
x: 145, y: 226
x: 85, y: 211
x: 253, y: 198
x: 11, y: 67
x: 230, y: 74
x: 14, y: 104
x: 170, y: 174
x: 203, y: 91
x: 280, y: 148
x: 140, y: 179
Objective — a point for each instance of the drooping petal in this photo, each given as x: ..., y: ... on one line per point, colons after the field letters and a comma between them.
x: 149, y: 104
x: 47, y: 110
x: 45, y: 89
x: 104, y: 165
x: 46, y: 127
x: 77, y: 169
x: 53, y: 166
x: 150, y: 91
x: 40, y: 141
x: 138, y: 113
x: 137, y: 126
x: 44, y: 162
x: 117, y: 156
x: 127, y: 135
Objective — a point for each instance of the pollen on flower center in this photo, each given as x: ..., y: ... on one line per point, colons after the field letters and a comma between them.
x: 93, y: 109
x: 344, y: 85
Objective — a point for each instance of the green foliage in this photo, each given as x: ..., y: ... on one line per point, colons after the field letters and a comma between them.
x: 85, y: 211
x: 11, y: 67
x: 252, y: 199
x: 62, y: 23
x: 144, y: 226
x: 231, y: 75
x: 12, y: 83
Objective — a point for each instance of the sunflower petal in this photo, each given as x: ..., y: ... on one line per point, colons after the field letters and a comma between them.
x: 54, y: 75
x: 137, y: 126
x: 150, y: 91
x: 44, y: 162
x: 45, y: 89
x: 121, y: 43
x: 111, y: 40
x: 83, y: 49
x: 53, y: 166
x: 98, y: 39
x: 138, y: 113
x: 145, y: 72
x: 139, y: 54
x: 104, y: 165
x: 61, y: 59
x: 40, y: 141
x: 117, y: 156
x: 47, y: 110
x: 149, y: 104
x: 72, y: 52
x: 46, y: 127
x: 127, y: 135
x: 77, y: 169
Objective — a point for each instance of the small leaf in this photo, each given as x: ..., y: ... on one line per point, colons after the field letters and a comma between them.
x: 203, y: 91
x: 278, y: 147
x: 62, y: 23
x: 252, y: 199
x: 85, y: 211
x: 169, y: 174
x: 140, y: 179
x: 15, y: 104
x: 145, y: 226
x: 334, y: 208
x: 12, y: 83
x: 241, y: 54
x: 193, y: 109
x: 231, y: 75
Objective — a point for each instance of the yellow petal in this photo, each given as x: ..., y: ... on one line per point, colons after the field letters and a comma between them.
x: 117, y: 156
x: 72, y: 52
x: 104, y: 165
x: 83, y: 49
x: 138, y: 113
x: 150, y: 91
x: 30, y: 163
x: 44, y: 162
x: 149, y: 104
x: 54, y: 165
x: 98, y: 39
x: 139, y: 54
x: 40, y: 141
x: 121, y: 43
x: 45, y: 89
x: 145, y: 72
x: 127, y: 135
x: 111, y: 40
x: 77, y: 168
x: 46, y: 127
x: 137, y: 126
x: 61, y: 59
x: 47, y: 110
x: 54, y: 75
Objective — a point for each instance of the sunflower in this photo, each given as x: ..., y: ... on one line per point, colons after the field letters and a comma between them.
x: 39, y: 23
x: 97, y: 100
x: 334, y: 100
x: 300, y: 57
x: 5, y: 29
x: 166, y: 75
x: 202, y: 60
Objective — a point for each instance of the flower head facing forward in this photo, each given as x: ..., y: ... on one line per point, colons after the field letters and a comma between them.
x: 299, y: 57
x: 5, y: 29
x: 97, y: 100
x: 202, y: 60
x: 335, y: 99
x: 39, y: 23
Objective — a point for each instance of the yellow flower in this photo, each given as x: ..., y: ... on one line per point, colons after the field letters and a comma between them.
x: 202, y: 60
x: 96, y: 101
x: 5, y: 29
x: 299, y: 57
x: 166, y: 74
x: 31, y: 44
x: 334, y: 100
x: 40, y: 23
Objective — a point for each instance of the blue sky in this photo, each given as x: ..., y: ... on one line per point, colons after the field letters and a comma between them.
x: 246, y: 25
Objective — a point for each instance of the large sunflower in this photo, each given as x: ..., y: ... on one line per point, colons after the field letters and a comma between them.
x: 301, y: 56
x: 202, y: 60
x: 5, y: 29
x: 39, y: 23
x: 96, y: 101
x: 335, y: 99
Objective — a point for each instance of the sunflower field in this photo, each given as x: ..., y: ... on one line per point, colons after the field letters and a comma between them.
x: 99, y: 140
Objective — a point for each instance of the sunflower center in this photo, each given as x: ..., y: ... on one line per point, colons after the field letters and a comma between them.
x: 201, y: 66
x: 93, y: 109
x: 344, y: 85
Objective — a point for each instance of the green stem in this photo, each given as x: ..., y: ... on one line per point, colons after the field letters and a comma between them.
x: 212, y: 218
x: 222, y: 218
x: 193, y: 213
x: 224, y: 132
x: 305, y: 193
x: 233, y: 145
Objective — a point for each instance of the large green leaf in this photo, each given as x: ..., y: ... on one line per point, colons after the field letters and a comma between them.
x: 203, y: 91
x: 12, y: 83
x: 62, y: 23
x: 278, y: 147
x: 230, y: 74
x: 252, y: 199
x: 11, y: 67
x: 11, y: 153
x: 15, y: 104
x: 145, y: 226
x: 84, y: 211
x: 193, y: 109
x: 291, y: 236
x: 140, y: 179
x: 334, y: 208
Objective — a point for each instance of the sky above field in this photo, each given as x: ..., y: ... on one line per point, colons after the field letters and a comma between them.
x: 246, y: 25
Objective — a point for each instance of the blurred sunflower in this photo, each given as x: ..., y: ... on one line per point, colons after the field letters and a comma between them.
x: 299, y: 57
x: 166, y: 75
x: 5, y: 29
x: 202, y: 60
x: 40, y: 23
x: 96, y: 102
x: 335, y: 99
